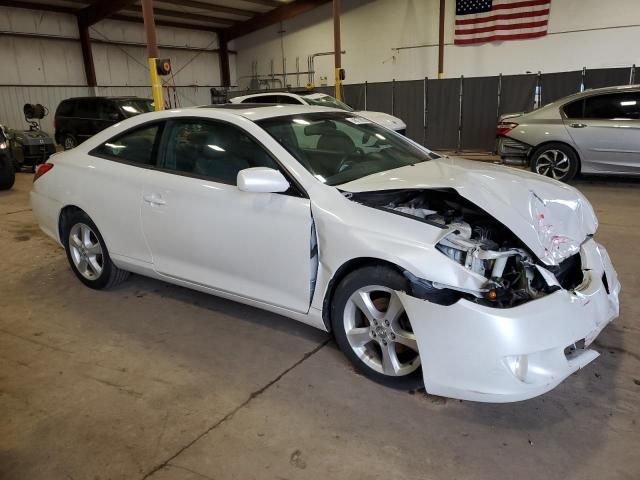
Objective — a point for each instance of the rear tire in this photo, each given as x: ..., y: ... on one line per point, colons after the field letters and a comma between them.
x: 69, y: 141
x: 7, y: 173
x: 372, y: 329
x: 87, y: 253
x: 555, y: 160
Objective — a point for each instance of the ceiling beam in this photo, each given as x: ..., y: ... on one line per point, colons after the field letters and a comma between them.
x: 187, y: 16
x: 38, y: 6
x: 101, y: 9
x: 210, y: 7
x: 283, y: 12
x: 165, y: 23
x: 265, y: 3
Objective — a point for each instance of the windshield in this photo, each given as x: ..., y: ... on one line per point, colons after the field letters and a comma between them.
x: 338, y: 147
x: 135, y: 106
x: 322, y: 100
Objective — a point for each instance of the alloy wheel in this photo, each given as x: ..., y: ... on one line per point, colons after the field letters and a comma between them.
x: 69, y: 143
x: 553, y: 163
x: 86, y: 252
x: 379, y: 331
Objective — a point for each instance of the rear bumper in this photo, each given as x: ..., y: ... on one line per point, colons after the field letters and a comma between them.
x: 513, y: 151
x: 473, y: 352
x: 47, y: 213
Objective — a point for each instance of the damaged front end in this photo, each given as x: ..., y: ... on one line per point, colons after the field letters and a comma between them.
x: 476, y: 240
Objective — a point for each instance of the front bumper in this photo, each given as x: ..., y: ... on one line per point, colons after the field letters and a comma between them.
x: 472, y: 352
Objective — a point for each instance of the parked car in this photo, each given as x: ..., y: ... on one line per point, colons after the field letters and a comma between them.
x: 483, y: 280
x: 7, y: 172
x: 323, y: 100
x: 79, y: 118
x: 594, y: 132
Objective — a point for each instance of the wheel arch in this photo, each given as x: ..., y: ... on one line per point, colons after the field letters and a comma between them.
x: 563, y: 142
x: 65, y: 212
x: 345, y: 269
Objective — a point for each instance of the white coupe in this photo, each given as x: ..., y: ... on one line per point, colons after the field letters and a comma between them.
x: 483, y: 281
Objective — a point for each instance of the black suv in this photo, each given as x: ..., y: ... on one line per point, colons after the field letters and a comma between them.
x: 79, y: 118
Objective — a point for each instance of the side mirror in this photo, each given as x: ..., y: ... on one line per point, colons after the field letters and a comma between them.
x: 262, y: 180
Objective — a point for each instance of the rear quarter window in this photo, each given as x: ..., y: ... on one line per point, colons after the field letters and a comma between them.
x: 65, y: 109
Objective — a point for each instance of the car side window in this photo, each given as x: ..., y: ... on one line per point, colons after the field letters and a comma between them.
x: 574, y: 109
x: 109, y: 111
x: 87, y: 108
x: 287, y: 100
x: 624, y: 105
x: 213, y: 150
x: 262, y: 99
x: 134, y: 146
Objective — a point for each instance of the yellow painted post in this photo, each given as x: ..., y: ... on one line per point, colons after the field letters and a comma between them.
x: 156, y: 86
x: 338, y: 84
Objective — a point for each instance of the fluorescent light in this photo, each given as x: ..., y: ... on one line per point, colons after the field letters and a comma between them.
x: 299, y: 121
x: 628, y: 103
x: 130, y: 109
x: 216, y: 148
x: 113, y: 145
x: 380, y: 136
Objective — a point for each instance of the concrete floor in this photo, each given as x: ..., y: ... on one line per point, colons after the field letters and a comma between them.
x: 155, y: 381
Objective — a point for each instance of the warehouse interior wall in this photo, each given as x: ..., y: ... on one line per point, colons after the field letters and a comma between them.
x: 48, y: 70
x: 373, y: 29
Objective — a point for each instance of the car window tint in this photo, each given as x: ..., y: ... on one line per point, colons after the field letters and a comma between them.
x: 109, y: 111
x: 213, y: 150
x: 624, y: 105
x: 262, y: 99
x: 574, y: 109
x: 86, y: 108
x: 135, y: 146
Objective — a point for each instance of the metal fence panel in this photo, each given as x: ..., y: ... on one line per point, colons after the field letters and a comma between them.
x: 606, y: 77
x: 442, y: 113
x: 517, y: 93
x: 479, y: 113
x: 409, y: 107
x: 379, y: 97
x: 354, y: 95
x: 558, y: 85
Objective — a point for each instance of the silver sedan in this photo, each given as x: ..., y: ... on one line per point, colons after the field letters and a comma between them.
x: 593, y: 132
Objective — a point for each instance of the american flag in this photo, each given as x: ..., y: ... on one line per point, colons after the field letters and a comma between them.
x: 480, y: 21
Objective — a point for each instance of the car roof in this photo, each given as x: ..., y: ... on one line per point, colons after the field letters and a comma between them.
x: 120, y: 97
x: 595, y: 91
x: 260, y: 111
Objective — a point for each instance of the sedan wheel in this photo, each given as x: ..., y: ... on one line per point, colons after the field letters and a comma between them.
x: 555, y: 160
x: 69, y: 142
x: 86, y: 252
x: 379, y: 331
x: 372, y: 328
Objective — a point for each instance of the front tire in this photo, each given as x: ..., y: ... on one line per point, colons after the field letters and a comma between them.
x: 372, y: 328
x: 7, y: 173
x: 88, y: 255
x: 555, y: 160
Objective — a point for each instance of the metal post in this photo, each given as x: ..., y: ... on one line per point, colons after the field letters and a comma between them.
x: 365, y: 95
x: 583, y: 76
x: 87, y: 55
x: 441, y: 42
x: 273, y: 75
x: 284, y: 72
x: 297, y: 71
x: 425, y: 104
x: 460, y: 99
x: 393, y: 96
x: 498, y: 107
x: 336, y: 48
x: 632, y: 74
x: 152, y: 53
x: 537, y: 101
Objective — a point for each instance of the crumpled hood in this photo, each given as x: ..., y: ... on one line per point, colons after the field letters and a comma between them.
x: 551, y: 218
x: 384, y: 119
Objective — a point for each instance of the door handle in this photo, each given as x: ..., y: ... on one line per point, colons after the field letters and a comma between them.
x: 578, y: 125
x: 154, y: 199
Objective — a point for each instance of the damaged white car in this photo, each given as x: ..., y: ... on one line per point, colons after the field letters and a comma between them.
x: 483, y: 281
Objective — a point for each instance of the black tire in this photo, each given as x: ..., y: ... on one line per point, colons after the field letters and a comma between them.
x: 69, y: 141
x: 110, y: 275
x: 7, y: 173
x: 362, y: 278
x: 555, y: 160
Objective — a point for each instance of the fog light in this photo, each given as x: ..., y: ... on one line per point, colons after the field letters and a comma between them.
x: 492, y: 294
x: 519, y: 366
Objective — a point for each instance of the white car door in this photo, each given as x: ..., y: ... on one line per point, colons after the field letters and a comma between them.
x: 200, y: 228
x: 606, y: 130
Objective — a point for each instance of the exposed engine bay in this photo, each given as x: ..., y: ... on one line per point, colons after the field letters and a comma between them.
x: 473, y: 238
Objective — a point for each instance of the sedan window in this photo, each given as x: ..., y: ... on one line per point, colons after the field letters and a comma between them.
x: 135, y: 146
x: 613, y: 106
x: 212, y: 150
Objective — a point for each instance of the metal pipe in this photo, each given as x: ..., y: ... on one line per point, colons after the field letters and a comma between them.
x: 632, y: 74
x: 284, y: 71
x: 499, y: 101
x: 425, y: 104
x: 393, y: 96
x: 336, y: 48
x: 460, y: 100
x: 366, y: 85
x: 441, y: 41
x: 583, y: 76
x: 297, y: 71
x: 312, y: 58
